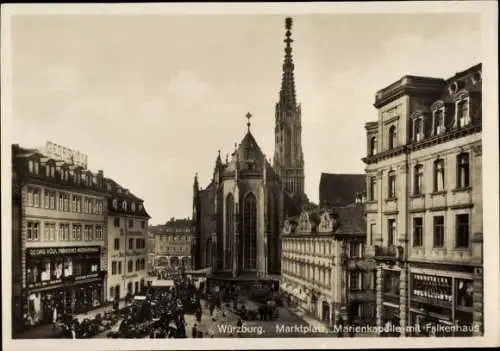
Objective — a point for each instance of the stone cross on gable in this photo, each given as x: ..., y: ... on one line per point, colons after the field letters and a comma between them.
x: 248, y: 116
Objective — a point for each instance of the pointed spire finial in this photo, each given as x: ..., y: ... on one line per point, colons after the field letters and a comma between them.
x: 248, y: 116
x: 287, y: 93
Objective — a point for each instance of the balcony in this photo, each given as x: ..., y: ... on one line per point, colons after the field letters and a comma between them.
x: 388, y: 253
x: 362, y: 295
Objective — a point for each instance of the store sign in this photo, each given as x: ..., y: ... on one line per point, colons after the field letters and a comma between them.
x: 87, y: 276
x: 59, y: 152
x: 44, y: 283
x: 57, y: 251
x: 432, y: 288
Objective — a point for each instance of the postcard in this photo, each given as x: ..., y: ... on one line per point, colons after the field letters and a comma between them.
x: 250, y: 176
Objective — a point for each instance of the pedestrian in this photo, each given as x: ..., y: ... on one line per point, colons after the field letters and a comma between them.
x: 54, y: 319
x: 73, y: 331
x: 194, y: 332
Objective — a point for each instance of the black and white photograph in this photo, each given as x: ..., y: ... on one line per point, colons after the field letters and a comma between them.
x: 303, y: 175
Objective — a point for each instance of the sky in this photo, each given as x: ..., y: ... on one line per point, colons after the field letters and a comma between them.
x: 151, y: 98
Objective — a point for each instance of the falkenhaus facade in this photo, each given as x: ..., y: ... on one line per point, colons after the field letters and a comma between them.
x: 59, y: 232
x: 424, y: 200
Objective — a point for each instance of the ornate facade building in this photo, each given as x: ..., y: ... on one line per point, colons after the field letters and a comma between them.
x: 60, y: 236
x: 238, y: 216
x: 323, y: 267
x: 424, y: 200
x: 173, y: 243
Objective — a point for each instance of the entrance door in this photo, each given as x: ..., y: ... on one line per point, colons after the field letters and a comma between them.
x: 117, y: 292
x: 326, y: 311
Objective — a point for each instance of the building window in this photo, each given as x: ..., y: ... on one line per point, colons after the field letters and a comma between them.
x: 88, y: 234
x: 438, y: 231
x: 116, y: 222
x: 115, y: 204
x: 52, y: 200
x: 130, y: 244
x: 119, y: 267
x: 46, y: 199
x: 137, y: 265
x: 131, y: 223
x: 132, y: 206
x: 113, y: 267
x: 250, y: 232
x: 49, y: 231
x: 462, y: 231
x: 418, y: 129
x: 130, y: 266
x: 36, y: 197
x: 418, y: 175
x: 124, y: 205
x: 30, y: 166
x: 35, y: 167
x: 354, y: 281
x: 391, y: 185
x: 354, y: 249
x: 439, y: 127
x: 371, y: 234
x: 418, y: 232
x: 391, y: 232
x: 117, y: 244
x: 462, y: 108
x: 98, y: 232
x: 63, y: 232
x: 373, y: 146
x: 76, y: 232
x: 463, y: 171
x: 143, y: 224
x: 372, y: 194
x: 439, y: 175
x: 32, y: 231
x: 392, y: 137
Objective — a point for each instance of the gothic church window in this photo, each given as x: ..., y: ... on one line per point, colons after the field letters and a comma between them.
x: 250, y: 231
x: 229, y: 230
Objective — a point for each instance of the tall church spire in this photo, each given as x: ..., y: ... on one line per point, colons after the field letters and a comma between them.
x: 288, y: 155
x: 287, y: 92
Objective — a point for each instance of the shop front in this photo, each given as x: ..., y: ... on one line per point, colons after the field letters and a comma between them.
x: 441, y: 305
x: 64, y: 280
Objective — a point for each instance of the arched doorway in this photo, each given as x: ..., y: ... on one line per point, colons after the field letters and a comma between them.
x: 325, y: 311
x: 250, y: 232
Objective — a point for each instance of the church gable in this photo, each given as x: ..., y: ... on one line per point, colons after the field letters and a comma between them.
x: 305, y: 225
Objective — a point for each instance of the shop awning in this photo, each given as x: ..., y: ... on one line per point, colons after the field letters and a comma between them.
x: 165, y: 283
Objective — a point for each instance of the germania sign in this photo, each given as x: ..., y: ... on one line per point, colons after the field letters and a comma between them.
x: 62, y: 153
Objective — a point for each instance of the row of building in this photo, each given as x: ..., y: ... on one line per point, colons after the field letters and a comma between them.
x: 79, y: 239
x: 418, y: 254
x: 406, y: 245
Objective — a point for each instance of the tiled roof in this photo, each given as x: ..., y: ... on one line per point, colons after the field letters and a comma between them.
x: 340, y: 189
x: 351, y: 219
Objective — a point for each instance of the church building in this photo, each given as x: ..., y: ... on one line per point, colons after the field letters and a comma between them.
x: 238, y: 216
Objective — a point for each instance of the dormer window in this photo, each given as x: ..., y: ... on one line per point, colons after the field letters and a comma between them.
x: 52, y: 171
x: 30, y: 166
x: 140, y: 207
x: 477, y: 77
x: 392, y: 137
x: 35, y: 167
x: 124, y: 205
x: 418, y: 129
x: 462, y: 112
x: 47, y: 171
x: 438, y: 117
x: 132, y: 206
x: 115, y: 204
x: 373, y: 146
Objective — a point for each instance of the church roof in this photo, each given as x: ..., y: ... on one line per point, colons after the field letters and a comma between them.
x: 340, y: 189
x: 249, y: 157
